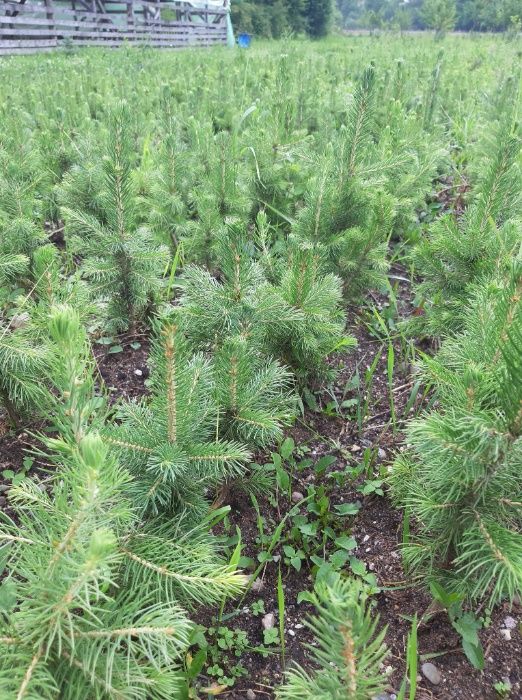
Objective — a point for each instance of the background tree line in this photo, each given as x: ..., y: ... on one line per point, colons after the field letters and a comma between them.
x: 276, y: 18
x: 463, y: 15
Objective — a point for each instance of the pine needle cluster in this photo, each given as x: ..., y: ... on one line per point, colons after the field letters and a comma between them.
x: 460, y: 479
x: 164, y: 179
x: 218, y: 194
x: 172, y: 443
x: 122, y: 259
x: 348, y: 650
x: 299, y: 320
x: 364, y: 191
x: 27, y: 352
x: 458, y: 254
x: 24, y: 362
x: 93, y: 598
x: 21, y: 219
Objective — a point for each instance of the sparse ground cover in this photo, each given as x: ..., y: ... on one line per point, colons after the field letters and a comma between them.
x: 261, y: 360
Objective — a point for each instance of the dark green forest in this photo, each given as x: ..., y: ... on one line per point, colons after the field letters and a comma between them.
x: 277, y: 18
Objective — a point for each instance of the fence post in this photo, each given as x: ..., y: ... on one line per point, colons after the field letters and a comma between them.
x: 49, y: 14
x: 130, y: 20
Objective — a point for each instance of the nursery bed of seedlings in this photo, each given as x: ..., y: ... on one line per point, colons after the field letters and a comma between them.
x: 261, y: 371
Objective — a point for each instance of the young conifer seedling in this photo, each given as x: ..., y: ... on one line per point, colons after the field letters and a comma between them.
x: 24, y: 363
x: 253, y: 393
x: 122, y: 259
x: 348, y: 650
x: 460, y: 480
x: 170, y: 443
x: 299, y: 320
x: 92, y: 598
x: 460, y: 253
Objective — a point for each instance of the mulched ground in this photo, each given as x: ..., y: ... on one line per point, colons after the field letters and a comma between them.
x: 377, y: 529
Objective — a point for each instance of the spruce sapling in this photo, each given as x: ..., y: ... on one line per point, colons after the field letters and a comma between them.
x: 254, y: 394
x: 348, y: 650
x: 92, y: 597
x: 460, y: 477
x: 122, y: 260
x: 170, y: 443
x: 459, y: 253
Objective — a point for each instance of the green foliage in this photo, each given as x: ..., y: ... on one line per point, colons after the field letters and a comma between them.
x: 439, y: 15
x: 353, y: 204
x: 75, y: 634
x: 319, y: 16
x: 469, y: 527
x: 254, y: 394
x: 165, y: 183
x: 23, y: 364
x: 170, y: 443
x: 348, y: 649
x: 311, y: 299
x: 460, y: 253
x: 92, y: 620
x: 122, y: 260
x: 463, y: 15
x: 271, y: 184
x: 21, y: 211
x: 298, y: 320
x: 463, y: 622
x: 275, y: 18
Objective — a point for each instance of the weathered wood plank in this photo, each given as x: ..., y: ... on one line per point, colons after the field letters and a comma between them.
x: 38, y: 33
x: 32, y: 49
x: 44, y: 22
x: 22, y: 43
x: 59, y: 10
x: 40, y: 27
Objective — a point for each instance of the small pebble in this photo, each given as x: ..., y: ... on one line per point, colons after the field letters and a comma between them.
x: 506, y: 634
x: 291, y: 633
x: 138, y: 372
x: 431, y: 672
x: 366, y: 538
x: 258, y: 585
x: 250, y: 695
x: 276, y: 557
x: 297, y: 496
x: 268, y: 621
x: 20, y: 320
x: 510, y: 623
x: 356, y: 448
x: 381, y: 453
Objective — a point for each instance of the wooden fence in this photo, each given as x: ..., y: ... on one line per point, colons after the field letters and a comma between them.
x: 28, y: 27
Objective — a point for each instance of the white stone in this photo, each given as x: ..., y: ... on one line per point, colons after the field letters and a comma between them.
x: 268, y: 621
x: 431, y: 672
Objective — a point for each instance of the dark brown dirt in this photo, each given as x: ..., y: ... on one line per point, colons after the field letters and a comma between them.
x: 125, y: 372
x: 377, y: 529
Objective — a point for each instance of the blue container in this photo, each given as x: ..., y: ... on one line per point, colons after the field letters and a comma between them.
x: 244, y: 40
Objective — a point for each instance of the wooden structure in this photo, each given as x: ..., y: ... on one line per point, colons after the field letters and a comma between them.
x: 28, y: 26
